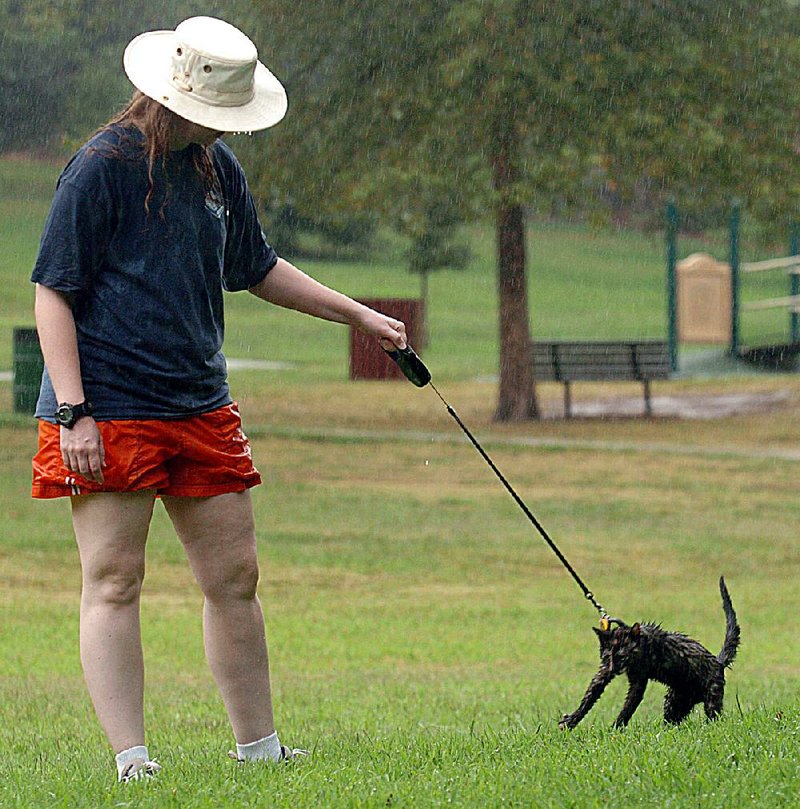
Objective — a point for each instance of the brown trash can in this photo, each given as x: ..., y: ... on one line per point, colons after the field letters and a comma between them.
x: 367, y: 359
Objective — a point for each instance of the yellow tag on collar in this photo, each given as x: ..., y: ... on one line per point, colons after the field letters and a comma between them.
x: 605, y: 624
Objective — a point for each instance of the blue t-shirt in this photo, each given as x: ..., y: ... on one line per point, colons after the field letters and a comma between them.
x: 147, y: 288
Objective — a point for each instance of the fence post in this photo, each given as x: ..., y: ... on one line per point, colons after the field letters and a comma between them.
x: 734, y: 262
x: 794, y: 282
x: 672, y: 284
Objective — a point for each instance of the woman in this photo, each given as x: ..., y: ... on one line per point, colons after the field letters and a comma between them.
x: 151, y: 221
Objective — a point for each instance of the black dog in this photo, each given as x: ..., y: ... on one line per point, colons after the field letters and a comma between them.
x: 647, y: 652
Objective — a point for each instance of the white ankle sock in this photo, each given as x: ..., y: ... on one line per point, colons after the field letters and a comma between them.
x: 266, y: 749
x: 125, y: 757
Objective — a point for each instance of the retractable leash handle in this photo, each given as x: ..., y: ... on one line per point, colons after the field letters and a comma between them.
x: 417, y: 373
x: 411, y: 365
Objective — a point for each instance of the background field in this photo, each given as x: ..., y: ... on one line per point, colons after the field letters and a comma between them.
x: 424, y: 640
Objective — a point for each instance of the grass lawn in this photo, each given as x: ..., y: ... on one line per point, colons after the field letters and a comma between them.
x: 424, y: 639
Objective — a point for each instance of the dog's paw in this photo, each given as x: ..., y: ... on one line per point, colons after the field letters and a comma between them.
x: 567, y: 722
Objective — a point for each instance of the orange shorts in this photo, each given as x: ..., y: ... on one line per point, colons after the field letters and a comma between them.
x: 199, y: 456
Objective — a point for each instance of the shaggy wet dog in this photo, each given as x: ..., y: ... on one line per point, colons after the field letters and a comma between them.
x: 647, y: 652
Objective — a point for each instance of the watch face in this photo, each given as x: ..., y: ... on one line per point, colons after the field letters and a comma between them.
x: 64, y: 415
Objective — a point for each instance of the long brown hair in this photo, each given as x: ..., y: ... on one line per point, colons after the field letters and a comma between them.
x: 157, y: 124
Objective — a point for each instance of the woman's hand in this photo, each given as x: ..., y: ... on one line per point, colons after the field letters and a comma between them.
x: 391, y: 333
x: 82, y: 449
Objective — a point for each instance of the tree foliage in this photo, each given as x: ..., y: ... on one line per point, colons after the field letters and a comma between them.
x: 513, y: 105
x: 696, y: 101
x: 61, y: 64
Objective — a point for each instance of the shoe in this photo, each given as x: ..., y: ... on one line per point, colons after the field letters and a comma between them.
x: 139, y: 769
x: 293, y: 753
x: 287, y: 754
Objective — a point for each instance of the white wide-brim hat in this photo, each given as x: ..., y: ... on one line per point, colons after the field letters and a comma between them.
x: 208, y: 72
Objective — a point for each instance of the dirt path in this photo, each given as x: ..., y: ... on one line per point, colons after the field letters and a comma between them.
x: 685, y: 406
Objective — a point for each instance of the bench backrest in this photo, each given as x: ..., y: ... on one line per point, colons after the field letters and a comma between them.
x: 564, y: 361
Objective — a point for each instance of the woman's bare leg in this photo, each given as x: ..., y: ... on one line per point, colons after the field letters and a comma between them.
x: 111, y: 531
x: 218, y: 534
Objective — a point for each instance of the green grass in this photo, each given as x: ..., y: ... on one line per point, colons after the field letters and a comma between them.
x: 424, y: 639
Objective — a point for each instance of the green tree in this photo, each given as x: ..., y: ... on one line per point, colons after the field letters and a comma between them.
x: 409, y: 96
x: 512, y: 104
x: 697, y: 101
x: 433, y: 232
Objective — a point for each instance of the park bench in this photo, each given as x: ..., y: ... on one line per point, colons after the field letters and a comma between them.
x: 572, y: 361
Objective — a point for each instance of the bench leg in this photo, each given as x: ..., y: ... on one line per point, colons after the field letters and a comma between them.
x: 567, y: 400
x: 648, y: 406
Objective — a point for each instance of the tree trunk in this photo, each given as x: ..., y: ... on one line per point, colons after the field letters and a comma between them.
x: 517, y: 396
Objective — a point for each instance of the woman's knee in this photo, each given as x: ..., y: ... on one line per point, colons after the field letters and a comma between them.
x: 111, y: 532
x: 116, y: 584
x: 234, y: 582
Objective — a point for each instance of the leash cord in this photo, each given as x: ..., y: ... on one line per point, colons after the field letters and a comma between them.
x: 519, y: 501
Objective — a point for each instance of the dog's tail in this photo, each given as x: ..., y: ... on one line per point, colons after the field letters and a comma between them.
x: 732, y: 630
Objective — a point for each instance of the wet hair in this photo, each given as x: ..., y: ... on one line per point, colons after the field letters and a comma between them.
x: 156, y: 124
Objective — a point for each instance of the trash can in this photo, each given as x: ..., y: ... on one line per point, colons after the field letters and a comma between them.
x: 367, y: 359
x: 28, y: 367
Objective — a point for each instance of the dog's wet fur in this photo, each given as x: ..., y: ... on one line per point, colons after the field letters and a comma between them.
x: 647, y: 652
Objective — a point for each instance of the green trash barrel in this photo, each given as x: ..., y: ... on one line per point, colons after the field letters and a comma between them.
x: 28, y: 367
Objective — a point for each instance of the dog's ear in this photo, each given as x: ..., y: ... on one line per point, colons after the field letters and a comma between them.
x: 636, y: 630
x: 603, y: 635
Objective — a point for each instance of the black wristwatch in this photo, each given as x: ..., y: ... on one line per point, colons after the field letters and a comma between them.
x: 67, y: 414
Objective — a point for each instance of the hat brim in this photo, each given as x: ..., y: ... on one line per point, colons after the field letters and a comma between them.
x: 147, y: 63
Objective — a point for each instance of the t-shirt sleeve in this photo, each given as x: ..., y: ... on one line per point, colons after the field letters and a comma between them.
x: 248, y: 256
x: 77, y: 229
